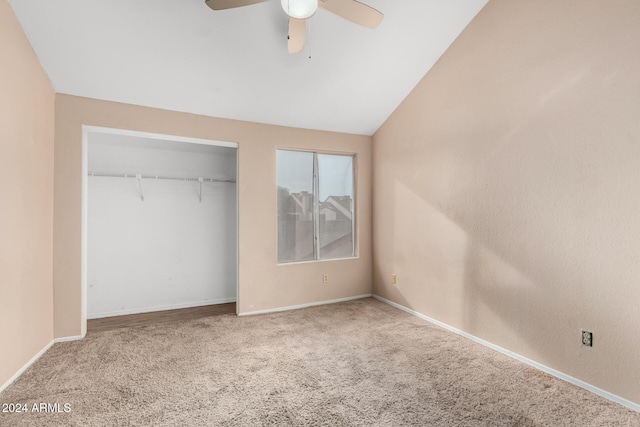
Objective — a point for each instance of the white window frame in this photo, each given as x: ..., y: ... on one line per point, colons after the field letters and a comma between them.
x: 316, y: 207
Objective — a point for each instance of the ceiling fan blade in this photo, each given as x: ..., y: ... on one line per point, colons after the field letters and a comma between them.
x: 297, y: 33
x: 230, y: 4
x: 353, y: 11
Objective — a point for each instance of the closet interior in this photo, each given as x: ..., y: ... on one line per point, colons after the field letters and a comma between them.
x: 161, y: 224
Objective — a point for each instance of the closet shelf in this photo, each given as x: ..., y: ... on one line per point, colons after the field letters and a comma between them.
x: 175, y: 178
x: 139, y: 177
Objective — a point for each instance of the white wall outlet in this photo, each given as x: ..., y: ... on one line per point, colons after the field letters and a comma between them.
x: 393, y: 279
x: 325, y: 278
x: 587, y: 338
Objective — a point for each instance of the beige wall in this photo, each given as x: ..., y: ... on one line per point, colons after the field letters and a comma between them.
x: 507, y: 187
x: 26, y: 199
x: 263, y: 284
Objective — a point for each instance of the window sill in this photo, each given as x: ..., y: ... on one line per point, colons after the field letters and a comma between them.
x: 279, y: 264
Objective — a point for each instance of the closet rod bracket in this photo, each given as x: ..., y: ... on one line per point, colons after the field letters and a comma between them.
x: 139, y: 178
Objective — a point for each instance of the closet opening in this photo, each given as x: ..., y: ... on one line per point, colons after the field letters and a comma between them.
x: 159, y: 223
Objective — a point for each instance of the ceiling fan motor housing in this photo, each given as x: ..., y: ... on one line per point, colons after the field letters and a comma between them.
x: 299, y: 9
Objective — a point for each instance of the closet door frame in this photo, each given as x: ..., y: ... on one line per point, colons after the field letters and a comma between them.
x: 87, y: 131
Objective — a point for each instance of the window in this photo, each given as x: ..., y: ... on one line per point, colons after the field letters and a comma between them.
x: 315, y: 206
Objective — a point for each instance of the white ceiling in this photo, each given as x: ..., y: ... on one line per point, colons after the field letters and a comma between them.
x: 180, y: 55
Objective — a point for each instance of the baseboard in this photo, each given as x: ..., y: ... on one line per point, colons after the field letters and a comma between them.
x: 310, y: 304
x: 25, y: 367
x: 600, y: 392
x: 65, y: 339
x: 161, y: 308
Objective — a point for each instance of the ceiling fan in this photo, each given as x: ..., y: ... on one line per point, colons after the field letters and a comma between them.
x: 300, y: 10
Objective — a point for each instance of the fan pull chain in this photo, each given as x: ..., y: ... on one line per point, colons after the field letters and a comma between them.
x: 309, y: 37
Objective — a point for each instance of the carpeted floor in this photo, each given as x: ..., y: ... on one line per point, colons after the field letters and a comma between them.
x: 360, y: 363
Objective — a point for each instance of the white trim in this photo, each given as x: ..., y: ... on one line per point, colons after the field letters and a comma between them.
x: 85, y: 228
x: 72, y: 338
x: 593, y: 389
x: 237, y: 230
x: 161, y: 308
x: 25, y: 367
x: 164, y: 137
x: 309, y: 304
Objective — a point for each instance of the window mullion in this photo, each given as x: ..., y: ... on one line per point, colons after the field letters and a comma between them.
x: 316, y: 209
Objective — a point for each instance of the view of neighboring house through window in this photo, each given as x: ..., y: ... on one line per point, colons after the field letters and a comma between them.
x: 315, y: 206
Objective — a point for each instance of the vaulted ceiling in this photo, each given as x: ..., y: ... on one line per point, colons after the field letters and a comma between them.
x: 180, y: 55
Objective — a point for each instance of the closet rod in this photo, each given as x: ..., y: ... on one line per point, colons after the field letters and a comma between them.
x: 175, y: 178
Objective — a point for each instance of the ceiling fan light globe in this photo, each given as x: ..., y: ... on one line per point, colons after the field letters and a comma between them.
x: 299, y: 9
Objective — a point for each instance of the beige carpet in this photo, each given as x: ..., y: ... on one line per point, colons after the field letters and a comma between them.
x: 356, y: 363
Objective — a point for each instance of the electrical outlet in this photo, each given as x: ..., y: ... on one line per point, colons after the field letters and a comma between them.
x: 393, y: 279
x: 325, y: 278
x: 587, y: 338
